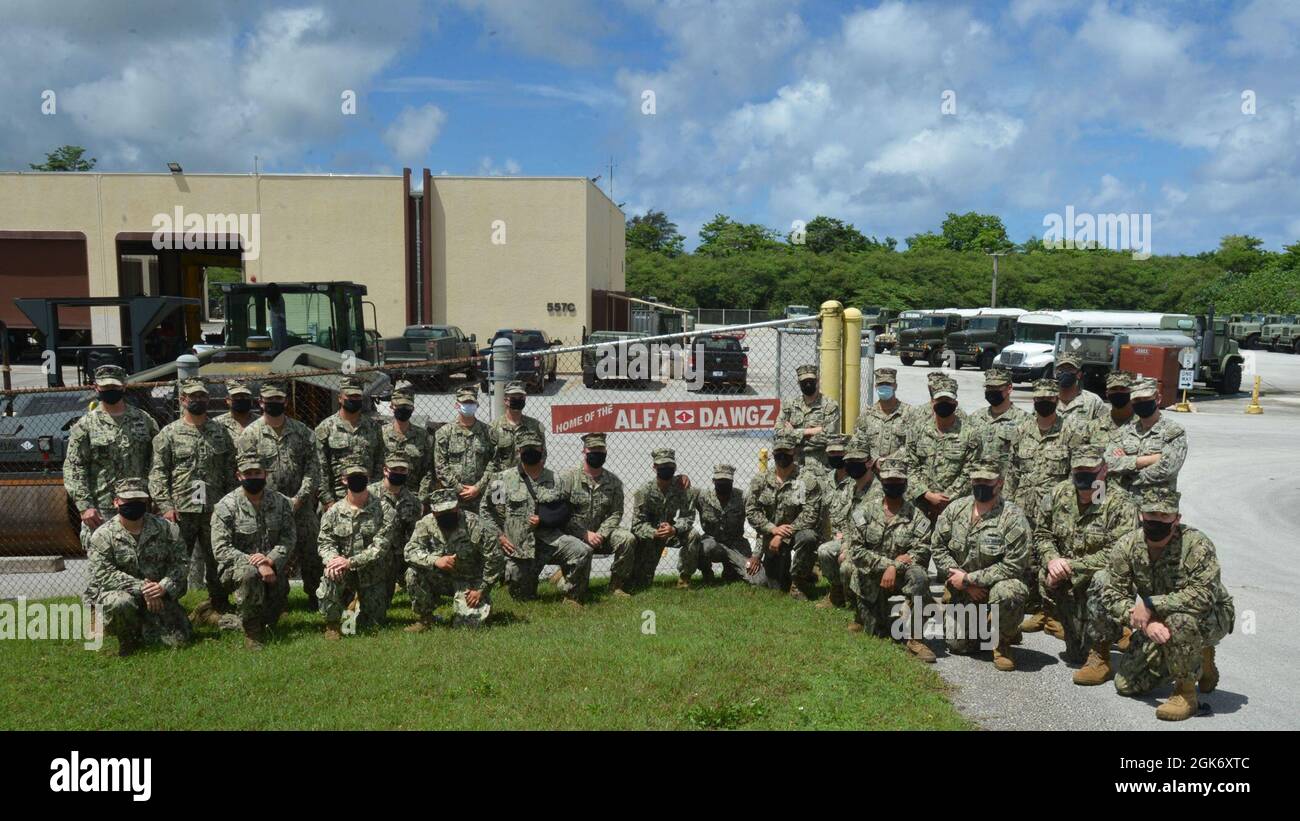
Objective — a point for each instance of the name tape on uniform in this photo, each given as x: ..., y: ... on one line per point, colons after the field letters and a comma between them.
x: 611, y: 417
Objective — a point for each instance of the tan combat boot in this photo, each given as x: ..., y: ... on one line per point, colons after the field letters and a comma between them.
x: 1125, y: 640
x: 1182, y: 704
x: 1096, y: 670
x: 421, y: 625
x: 254, y: 637
x: 205, y: 614
x: 1002, y: 658
x: 574, y: 604
x: 332, y: 631
x: 616, y: 590
x: 1209, y: 671
x: 683, y: 584
x: 1053, y: 628
x: 917, y: 648
x: 1033, y: 623
x: 556, y: 577
x: 855, y: 627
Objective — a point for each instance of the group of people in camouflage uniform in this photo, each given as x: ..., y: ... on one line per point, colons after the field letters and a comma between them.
x: 1064, y: 520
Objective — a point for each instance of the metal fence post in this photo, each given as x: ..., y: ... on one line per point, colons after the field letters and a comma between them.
x: 780, y: 334
x: 503, y: 370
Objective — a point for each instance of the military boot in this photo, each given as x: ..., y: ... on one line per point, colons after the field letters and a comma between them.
x: 556, y: 577
x: 205, y: 614
x: 1096, y: 670
x: 855, y: 627
x: 254, y: 637
x: 423, y: 624
x: 574, y: 604
x: 1209, y: 671
x: 1033, y: 623
x: 1002, y: 658
x: 683, y: 583
x: 616, y: 589
x: 1053, y: 628
x: 917, y: 648
x: 1182, y: 704
x: 1125, y: 639
x: 332, y: 631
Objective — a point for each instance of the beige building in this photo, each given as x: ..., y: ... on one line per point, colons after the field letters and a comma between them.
x: 478, y: 252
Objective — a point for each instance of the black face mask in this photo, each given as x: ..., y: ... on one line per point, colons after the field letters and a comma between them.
x: 447, y: 520
x: 1118, y: 400
x: 945, y: 409
x: 1067, y: 379
x: 1083, y: 480
x: 982, y: 493
x: 1044, y: 407
x: 665, y: 472
x: 783, y: 459
x: 133, y: 510
x: 993, y: 397
x: 352, y: 405
x: 357, y: 482
x: 197, y: 407
x: 836, y: 462
x: 273, y: 408
x: 530, y: 456
x: 894, y: 490
x: 596, y: 458
x: 397, y: 479
x: 722, y: 488
x: 111, y: 396
x: 808, y: 387
x: 403, y: 413
x: 243, y: 404
x: 515, y: 403
x: 254, y: 485
x: 1156, y: 531
x: 1145, y: 408
x: 856, y: 469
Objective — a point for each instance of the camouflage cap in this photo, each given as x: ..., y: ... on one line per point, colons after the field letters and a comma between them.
x: 886, y: 376
x: 443, y: 500
x: 785, y: 440
x: 996, y: 377
x: 837, y: 443
x: 1158, y: 500
x: 723, y: 472
x: 515, y: 387
x: 664, y: 456
x: 986, y: 469
x: 892, y: 467
x: 805, y: 371
x: 249, y: 459
x: 934, y: 377
x: 1119, y: 381
x: 858, y: 450
x: 238, y: 386
x: 1046, y: 389
x: 192, y: 386
x: 352, y: 386
x: 467, y: 393
x: 272, y: 390
x: 1071, y: 359
x: 943, y: 388
x: 527, y: 438
x: 110, y: 375
x: 132, y: 487
x: 403, y: 394
x: 396, y: 459
x: 593, y: 441
x: 1087, y: 456
x: 351, y: 464
x: 1146, y: 389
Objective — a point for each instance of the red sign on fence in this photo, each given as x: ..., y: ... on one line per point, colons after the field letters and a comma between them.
x: 621, y: 417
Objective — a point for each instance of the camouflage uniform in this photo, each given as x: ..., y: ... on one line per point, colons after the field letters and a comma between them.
x: 478, y: 565
x: 883, y: 433
x: 877, y: 542
x: 994, y: 552
x: 797, y: 502
x: 1085, y: 407
x: 193, y: 467
x: 1039, y: 459
x: 402, y: 510
x: 598, y: 506
x: 1084, y: 536
x: 241, y: 529
x: 723, y: 539
x: 364, y: 536
x: 511, y: 499
x: 1101, y: 429
x: 1165, y: 437
x: 289, y: 455
x: 235, y: 387
x: 829, y: 477
x: 922, y: 415
x: 939, y: 461
x: 997, y: 433
x: 840, y: 504
x: 120, y: 564
x: 103, y: 449
x: 337, y: 438
x: 653, y: 506
x: 1184, y: 590
x: 503, y: 434
x: 415, y: 445
x: 798, y: 414
x: 461, y: 454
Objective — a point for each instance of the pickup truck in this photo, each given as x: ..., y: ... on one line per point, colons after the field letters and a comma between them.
x: 422, y: 342
x: 626, y: 364
x: 718, y: 360
x: 534, y: 364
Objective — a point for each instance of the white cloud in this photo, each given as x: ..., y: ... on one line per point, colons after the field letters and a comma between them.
x: 413, y: 133
x: 487, y: 168
x: 565, y: 31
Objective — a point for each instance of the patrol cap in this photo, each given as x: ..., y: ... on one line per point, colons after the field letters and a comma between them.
x: 996, y: 377
x: 249, y: 460
x: 935, y: 377
x: 352, y: 386
x: 403, y: 394
x: 943, y: 388
x: 351, y: 464
x: 837, y: 443
x: 892, y: 467
x: 1158, y: 500
x: 132, y: 487
x: 664, y: 456
x: 396, y: 459
x: 1046, y: 389
x: 193, y: 386
x: 886, y: 376
x: 238, y: 386
x: 273, y: 390
x: 467, y: 393
x: 1087, y: 456
x: 516, y: 388
x: 593, y: 441
x: 857, y: 450
x: 110, y: 376
x: 723, y: 472
x: 986, y: 469
x: 443, y: 500
x: 806, y: 371
x: 1146, y: 389
x: 527, y: 438
x: 1119, y: 381
x: 1071, y: 359
x: 785, y: 441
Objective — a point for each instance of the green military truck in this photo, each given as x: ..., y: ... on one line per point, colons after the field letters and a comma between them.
x: 1282, y: 334
x: 925, y: 336
x: 982, y: 339
x: 878, y: 319
x: 1244, y: 329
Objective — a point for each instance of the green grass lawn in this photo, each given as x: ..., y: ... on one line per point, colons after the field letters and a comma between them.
x: 721, y: 657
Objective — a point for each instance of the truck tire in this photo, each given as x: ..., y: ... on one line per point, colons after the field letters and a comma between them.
x: 1251, y: 343
x: 907, y: 360
x: 1231, y: 381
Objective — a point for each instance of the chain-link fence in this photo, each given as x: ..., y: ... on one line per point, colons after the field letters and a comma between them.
x: 712, y: 395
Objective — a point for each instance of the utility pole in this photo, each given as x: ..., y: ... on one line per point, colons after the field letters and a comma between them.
x: 611, y: 177
x: 993, y: 297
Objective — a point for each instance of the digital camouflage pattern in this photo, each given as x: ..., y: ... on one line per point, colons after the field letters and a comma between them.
x: 651, y: 507
x: 799, y: 414
x: 293, y: 470
x: 121, y: 563
x: 363, y: 536
x: 940, y: 461
x: 241, y: 529
x: 416, y: 444
x: 1166, y: 437
x: 598, y: 506
x: 1084, y: 408
x: 103, y: 449
x: 193, y: 466
x: 994, y: 553
x: 796, y: 501
x: 723, y: 538
x: 509, y: 504
x: 997, y: 433
x: 879, y: 540
x: 336, y: 439
x: 1039, y: 459
x: 502, y: 436
x: 402, y: 510
x: 883, y: 433
x: 479, y: 566
x: 461, y: 455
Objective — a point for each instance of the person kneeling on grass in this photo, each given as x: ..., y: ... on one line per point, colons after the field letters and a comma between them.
x: 137, y: 573
x: 855, y: 488
x: 452, y: 553
x: 722, y: 516
x: 355, y: 545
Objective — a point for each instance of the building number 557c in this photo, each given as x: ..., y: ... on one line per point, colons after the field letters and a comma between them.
x: 561, y: 308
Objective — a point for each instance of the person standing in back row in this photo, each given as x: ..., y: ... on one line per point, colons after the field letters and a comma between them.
x: 812, y: 417
x: 1076, y: 403
x: 348, y: 433
x: 504, y: 430
x: 1150, y: 450
x: 881, y: 430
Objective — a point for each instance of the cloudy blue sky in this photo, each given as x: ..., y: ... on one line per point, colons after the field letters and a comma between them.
x: 767, y: 111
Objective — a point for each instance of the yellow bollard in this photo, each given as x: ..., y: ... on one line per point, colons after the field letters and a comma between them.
x: 830, y: 369
x: 1183, y: 406
x: 1254, y: 406
x: 851, y: 386
x: 762, y: 460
